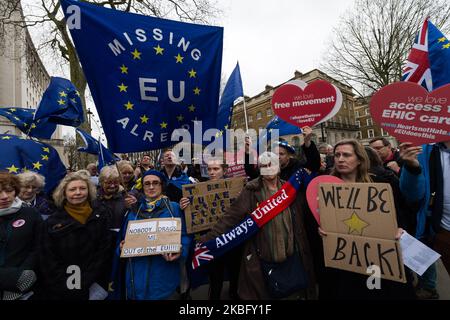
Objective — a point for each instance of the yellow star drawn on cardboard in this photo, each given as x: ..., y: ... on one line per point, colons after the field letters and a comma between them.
x: 355, y: 224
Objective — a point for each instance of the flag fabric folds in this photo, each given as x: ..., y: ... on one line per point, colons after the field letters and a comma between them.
x: 428, y: 62
x: 284, y: 128
x: 23, y: 119
x: 21, y: 154
x: 93, y: 146
x: 61, y: 104
x: 148, y: 76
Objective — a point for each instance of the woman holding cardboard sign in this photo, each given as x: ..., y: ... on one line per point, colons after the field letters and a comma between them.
x: 352, y: 166
x: 154, y: 277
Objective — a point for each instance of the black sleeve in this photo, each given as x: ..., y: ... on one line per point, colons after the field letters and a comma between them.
x: 312, y: 157
x: 250, y: 169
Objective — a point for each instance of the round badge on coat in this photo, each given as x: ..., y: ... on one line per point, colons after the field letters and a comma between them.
x: 18, y: 223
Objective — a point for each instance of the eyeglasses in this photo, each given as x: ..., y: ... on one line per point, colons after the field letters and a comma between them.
x: 152, y: 183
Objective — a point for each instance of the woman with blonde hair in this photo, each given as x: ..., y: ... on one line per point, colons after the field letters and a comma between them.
x: 74, y: 239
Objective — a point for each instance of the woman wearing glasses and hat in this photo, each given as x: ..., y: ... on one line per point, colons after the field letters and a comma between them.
x: 153, y: 277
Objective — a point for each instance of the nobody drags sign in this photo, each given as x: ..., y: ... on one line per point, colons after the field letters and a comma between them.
x: 152, y: 237
x: 412, y: 114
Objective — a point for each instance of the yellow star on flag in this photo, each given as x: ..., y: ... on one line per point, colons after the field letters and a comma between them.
x: 73, y: 100
x: 124, y: 69
x: 6, y: 138
x: 129, y: 105
x: 12, y: 109
x: 77, y: 93
x: 446, y: 46
x: 192, y: 73
x: 46, y: 149
x: 12, y: 169
x: 25, y: 169
x: 226, y: 127
x: 37, y: 165
x: 61, y: 102
x: 63, y: 94
x: 25, y: 124
x: 136, y: 54
x: 355, y: 224
x: 144, y: 119
x: 33, y: 126
x: 191, y: 108
x: 197, y: 91
x: 179, y: 58
x: 180, y: 117
x: 159, y: 50
x: 163, y: 125
x: 442, y: 39
x: 18, y: 119
x: 122, y: 87
x: 44, y: 157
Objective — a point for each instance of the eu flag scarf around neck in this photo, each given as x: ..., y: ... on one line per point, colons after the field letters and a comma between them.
x: 252, y: 223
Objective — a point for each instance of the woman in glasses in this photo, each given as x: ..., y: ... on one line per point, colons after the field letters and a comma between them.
x: 153, y: 277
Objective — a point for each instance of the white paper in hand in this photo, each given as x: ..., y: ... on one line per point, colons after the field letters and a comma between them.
x: 96, y: 292
x: 417, y: 256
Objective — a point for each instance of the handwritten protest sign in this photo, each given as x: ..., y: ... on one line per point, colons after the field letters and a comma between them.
x: 152, y: 237
x: 303, y: 104
x: 208, y: 201
x: 412, y: 114
x: 361, y: 224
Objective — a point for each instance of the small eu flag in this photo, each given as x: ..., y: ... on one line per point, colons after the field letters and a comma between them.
x: 23, y: 119
x: 148, y: 76
x: 20, y: 154
x: 61, y: 104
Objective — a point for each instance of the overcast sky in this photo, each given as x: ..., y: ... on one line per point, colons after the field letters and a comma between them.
x: 271, y: 39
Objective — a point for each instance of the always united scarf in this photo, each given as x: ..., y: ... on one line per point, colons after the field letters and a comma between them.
x: 266, y: 211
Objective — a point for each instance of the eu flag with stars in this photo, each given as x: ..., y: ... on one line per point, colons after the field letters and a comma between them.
x: 61, y: 104
x: 23, y: 119
x: 148, y: 76
x: 20, y: 154
x: 285, y: 128
x: 428, y: 62
x: 93, y: 146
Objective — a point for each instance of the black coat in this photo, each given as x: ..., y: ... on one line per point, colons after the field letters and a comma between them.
x: 66, y: 242
x: 18, y: 246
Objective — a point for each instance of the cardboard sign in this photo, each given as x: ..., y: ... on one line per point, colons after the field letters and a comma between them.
x: 312, y: 193
x: 208, y: 201
x: 361, y: 224
x: 412, y: 114
x: 152, y: 237
x: 303, y: 104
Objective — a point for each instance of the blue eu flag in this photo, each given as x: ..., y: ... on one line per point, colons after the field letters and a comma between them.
x: 61, y: 104
x: 23, y: 119
x: 148, y: 76
x: 93, y: 146
x: 284, y: 128
x: 21, y: 154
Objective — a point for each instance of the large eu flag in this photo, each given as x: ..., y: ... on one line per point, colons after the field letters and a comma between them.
x: 20, y: 155
x: 23, y: 119
x: 428, y: 62
x: 148, y: 76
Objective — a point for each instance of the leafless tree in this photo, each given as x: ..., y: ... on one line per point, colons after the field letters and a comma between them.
x: 48, y: 16
x: 372, y: 42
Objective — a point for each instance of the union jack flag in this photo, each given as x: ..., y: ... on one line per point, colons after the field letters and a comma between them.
x: 201, y: 253
x: 417, y: 68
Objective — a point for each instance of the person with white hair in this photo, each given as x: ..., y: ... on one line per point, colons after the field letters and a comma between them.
x: 276, y: 242
x: 31, y: 186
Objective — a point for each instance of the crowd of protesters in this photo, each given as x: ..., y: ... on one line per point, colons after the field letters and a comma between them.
x: 45, y: 237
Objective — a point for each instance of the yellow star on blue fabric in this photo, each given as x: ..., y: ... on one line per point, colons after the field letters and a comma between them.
x: 192, y: 73
x: 159, y: 50
x: 180, y: 117
x: 163, y: 125
x: 46, y: 149
x: 442, y: 39
x: 197, y: 91
x: 129, y: 105
x: 37, y: 165
x: 6, y: 138
x: 12, y: 169
x: 144, y: 119
x: 191, y: 108
x: 179, y: 58
x: 12, y: 109
x: 63, y: 94
x: 61, y: 102
x: 122, y: 87
x: 44, y: 157
x: 446, y: 46
x: 136, y: 54
x: 124, y: 69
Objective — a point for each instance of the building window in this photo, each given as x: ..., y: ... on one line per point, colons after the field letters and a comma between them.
x: 369, y: 122
x: 366, y: 112
x: 340, y: 119
x: 259, y: 116
x: 370, y: 133
x: 356, y: 114
x: 384, y: 133
x: 269, y: 112
x: 250, y: 118
x: 358, y: 123
x: 359, y: 135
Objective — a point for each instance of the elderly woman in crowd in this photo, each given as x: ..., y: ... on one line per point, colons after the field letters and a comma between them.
x: 74, y: 241
x: 31, y: 186
x: 19, y: 227
x: 153, y: 277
